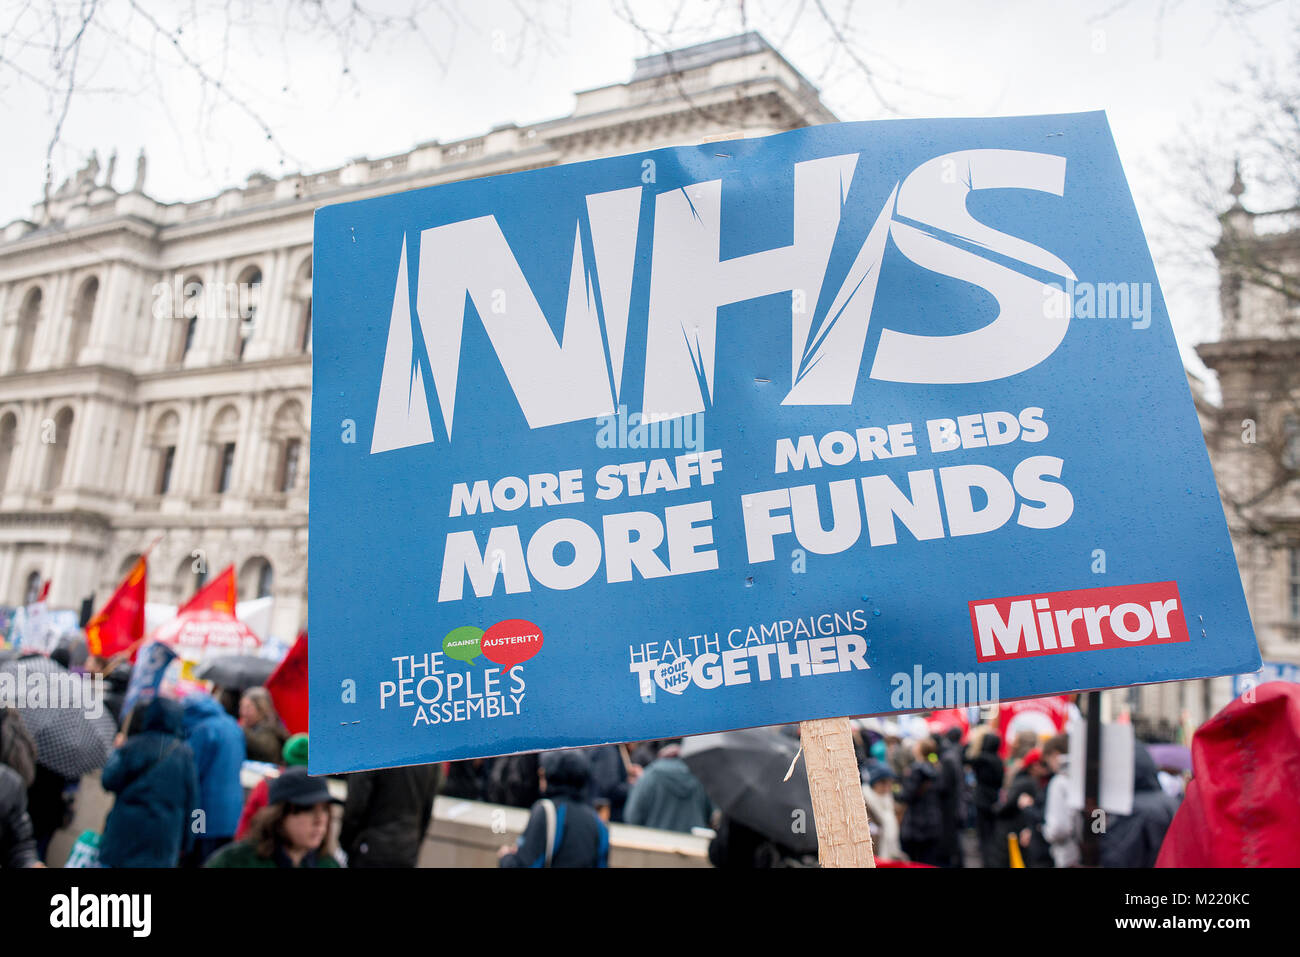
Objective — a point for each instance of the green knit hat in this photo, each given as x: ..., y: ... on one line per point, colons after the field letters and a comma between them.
x: 295, y: 750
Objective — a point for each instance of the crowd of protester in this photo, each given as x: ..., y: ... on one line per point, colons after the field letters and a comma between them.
x: 951, y: 799
x: 924, y: 796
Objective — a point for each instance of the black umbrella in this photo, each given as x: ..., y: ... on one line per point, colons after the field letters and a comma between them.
x: 237, y: 672
x: 742, y: 773
x: 68, y: 741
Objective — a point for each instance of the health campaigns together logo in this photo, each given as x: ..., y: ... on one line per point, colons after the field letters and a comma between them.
x: 507, y: 643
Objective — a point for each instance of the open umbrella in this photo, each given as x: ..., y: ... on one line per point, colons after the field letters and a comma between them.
x: 1171, y: 757
x: 68, y: 740
x: 206, y: 634
x: 236, y: 671
x: 742, y: 773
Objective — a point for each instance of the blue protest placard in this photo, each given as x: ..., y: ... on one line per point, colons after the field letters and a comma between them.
x: 147, y: 674
x: 747, y: 433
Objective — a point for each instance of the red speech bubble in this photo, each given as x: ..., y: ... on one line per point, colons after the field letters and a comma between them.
x: 511, y: 642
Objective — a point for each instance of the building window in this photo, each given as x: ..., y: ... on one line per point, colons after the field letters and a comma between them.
x: 289, y: 468
x: 302, y: 293
x: 33, y: 590
x: 81, y: 319
x: 165, y: 473
x: 255, y: 579
x: 8, y: 434
x: 224, y: 467
x: 191, y: 574
x: 28, y: 318
x: 305, y: 344
x: 1291, y: 442
x: 187, y: 313
x: 288, y: 435
x: 58, y: 452
x: 1294, y: 589
x: 163, y: 442
x: 248, y: 298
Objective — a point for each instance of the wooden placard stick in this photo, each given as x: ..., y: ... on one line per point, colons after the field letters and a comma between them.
x: 838, y: 807
x: 839, y: 810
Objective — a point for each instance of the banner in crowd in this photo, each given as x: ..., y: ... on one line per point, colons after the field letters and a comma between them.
x: 747, y: 433
x: 1041, y: 717
x: 36, y: 627
x: 147, y: 674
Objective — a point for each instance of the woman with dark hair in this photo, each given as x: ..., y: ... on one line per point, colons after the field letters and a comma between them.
x: 294, y: 830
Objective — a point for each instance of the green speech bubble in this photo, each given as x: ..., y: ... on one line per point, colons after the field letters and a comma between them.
x: 463, y: 643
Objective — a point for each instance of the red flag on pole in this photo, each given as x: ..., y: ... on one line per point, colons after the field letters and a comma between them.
x: 121, y: 621
x: 288, y: 687
x: 45, y: 591
x: 216, y: 595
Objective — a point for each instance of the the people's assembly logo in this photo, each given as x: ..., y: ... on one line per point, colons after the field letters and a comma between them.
x: 438, y: 693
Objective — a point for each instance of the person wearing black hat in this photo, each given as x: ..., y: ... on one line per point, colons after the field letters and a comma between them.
x: 293, y: 830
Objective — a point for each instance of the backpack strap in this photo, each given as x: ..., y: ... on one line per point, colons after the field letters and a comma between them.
x: 559, y: 830
x: 602, y: 848
x: 548, y: 809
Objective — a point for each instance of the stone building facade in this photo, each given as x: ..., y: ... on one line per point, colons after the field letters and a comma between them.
x: 155, y: 359
x: 1255, y: 438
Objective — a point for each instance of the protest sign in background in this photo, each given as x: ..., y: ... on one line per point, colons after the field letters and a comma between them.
x: 734, y: 435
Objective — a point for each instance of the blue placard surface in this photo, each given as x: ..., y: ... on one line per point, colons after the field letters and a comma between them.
x: 747, y: 433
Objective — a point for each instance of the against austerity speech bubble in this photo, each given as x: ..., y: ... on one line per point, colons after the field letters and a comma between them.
x: 512, y: 642
x: 463, y: 643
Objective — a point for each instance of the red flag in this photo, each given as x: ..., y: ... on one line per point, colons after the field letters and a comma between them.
x: 288, y: 687
x: 45, y: 591
x: 216, y: 595
x: 121, y: 621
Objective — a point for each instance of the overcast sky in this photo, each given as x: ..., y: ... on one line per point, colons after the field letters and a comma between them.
x: 1157, y: 69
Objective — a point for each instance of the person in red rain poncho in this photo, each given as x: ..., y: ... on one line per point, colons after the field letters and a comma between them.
x: 1240, y: 808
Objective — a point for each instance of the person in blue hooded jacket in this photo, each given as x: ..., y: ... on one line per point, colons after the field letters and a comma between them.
x: 152, y: 774
x: 217, y: 741
x: 563, y: 830
x: 668, y: 796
